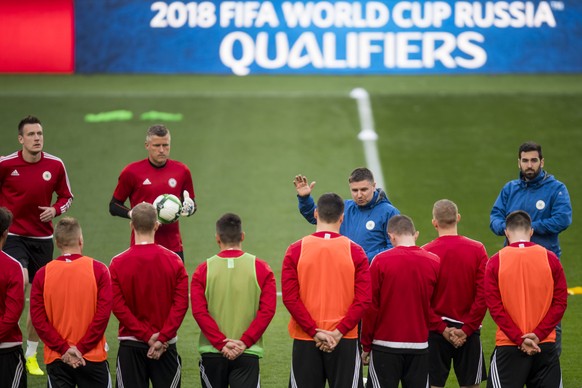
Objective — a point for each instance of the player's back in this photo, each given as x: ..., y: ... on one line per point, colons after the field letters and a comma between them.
x: 404, y: 279
x: 148, y: 276
x: 461, y: 274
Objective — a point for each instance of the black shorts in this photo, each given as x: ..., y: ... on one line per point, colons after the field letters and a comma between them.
x: 310, y: 367
x: 32, y: 253
x: 93, y: 374
x: 468, y: 360
x: 12, y: 372
x: 216, y: 371
x: 510, y: 367
x: 136, y: 370
x: 387, y: 369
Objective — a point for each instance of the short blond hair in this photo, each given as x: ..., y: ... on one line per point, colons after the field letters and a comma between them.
x: 67, y: 232
x: 445, y: 212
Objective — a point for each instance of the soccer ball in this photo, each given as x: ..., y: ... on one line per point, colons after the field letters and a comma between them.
x: 168, y: 207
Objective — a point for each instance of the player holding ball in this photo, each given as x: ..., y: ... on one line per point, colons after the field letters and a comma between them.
x: 145, y: 180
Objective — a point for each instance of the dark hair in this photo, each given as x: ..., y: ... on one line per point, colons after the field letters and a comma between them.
x: 67, y: 232
x: 361, y: 174
x: 330, y: 207
x: 159, y: 130
x: 144, y: 217
x: 27, y: 120
x: 229, y: 228
x: 445, y: 212
x: 401, y: 225
x: 5, y: 220
x: 518, y: 220
x: 529, y: 146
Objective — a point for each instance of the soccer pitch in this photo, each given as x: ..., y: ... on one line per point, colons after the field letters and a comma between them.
x: 245, y: 139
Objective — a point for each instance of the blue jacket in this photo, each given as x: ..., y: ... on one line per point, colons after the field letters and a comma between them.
x: 545, y: 199
x: 365, y: 225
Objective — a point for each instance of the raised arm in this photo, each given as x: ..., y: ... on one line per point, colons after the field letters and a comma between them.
x: 306, y: 203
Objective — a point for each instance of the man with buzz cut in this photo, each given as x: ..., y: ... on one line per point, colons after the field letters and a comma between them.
x: 458, y: 302
x: 526, y: 293
x: 12, y: 361
x: 326, y: 288
x: 70, y: 305
x: 234, y: 298
x: 150, y: 300
x: 28, y: 180
x: 145, y: 180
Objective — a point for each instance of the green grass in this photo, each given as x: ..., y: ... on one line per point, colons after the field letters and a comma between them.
x: 245, y: 138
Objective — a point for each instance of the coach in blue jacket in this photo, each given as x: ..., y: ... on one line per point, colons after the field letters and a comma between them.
x: 542, y: 196
x: 366, y: 215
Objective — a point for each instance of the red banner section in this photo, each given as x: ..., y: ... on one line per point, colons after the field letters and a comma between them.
x: 37, y: 36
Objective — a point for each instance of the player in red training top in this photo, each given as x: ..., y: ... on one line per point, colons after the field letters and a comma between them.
x: 70, y: 305
x: 326, y: 288
x: 144, y: 180
x: 150, y: 300
x: 458, y: 302
x: 11, y: 306
x: 28, y: 179
x: 234, y: 298
x: 395, y: 328
x: 526, y: 293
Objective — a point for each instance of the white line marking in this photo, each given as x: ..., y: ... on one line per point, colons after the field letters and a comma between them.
x: 368, y: 135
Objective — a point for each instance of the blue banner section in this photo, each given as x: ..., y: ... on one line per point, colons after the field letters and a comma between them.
x: 328, y: 37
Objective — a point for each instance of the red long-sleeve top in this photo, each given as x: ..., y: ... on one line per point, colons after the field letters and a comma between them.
x: 459, y: 290
x: 26, y: 186
x: 11, y: 300
x: 265, y: 313
x: 150, y: 292
x: 403, y: 281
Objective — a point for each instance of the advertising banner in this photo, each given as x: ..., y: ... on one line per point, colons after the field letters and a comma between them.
x: 328, y: 37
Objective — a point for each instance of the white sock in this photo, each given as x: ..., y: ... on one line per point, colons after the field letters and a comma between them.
x: 30, y: 348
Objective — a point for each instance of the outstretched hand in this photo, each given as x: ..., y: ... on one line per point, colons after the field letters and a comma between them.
x: 302, y: 186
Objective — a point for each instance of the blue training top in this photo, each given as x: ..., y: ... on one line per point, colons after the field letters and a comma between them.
x: 545, y: 199
x: 365, y: 225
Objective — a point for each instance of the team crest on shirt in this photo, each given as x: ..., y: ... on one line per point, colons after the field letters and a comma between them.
x: 46, y: 176
x: 540, y: 205
x: 172, y: 182
x: 370, y: 225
